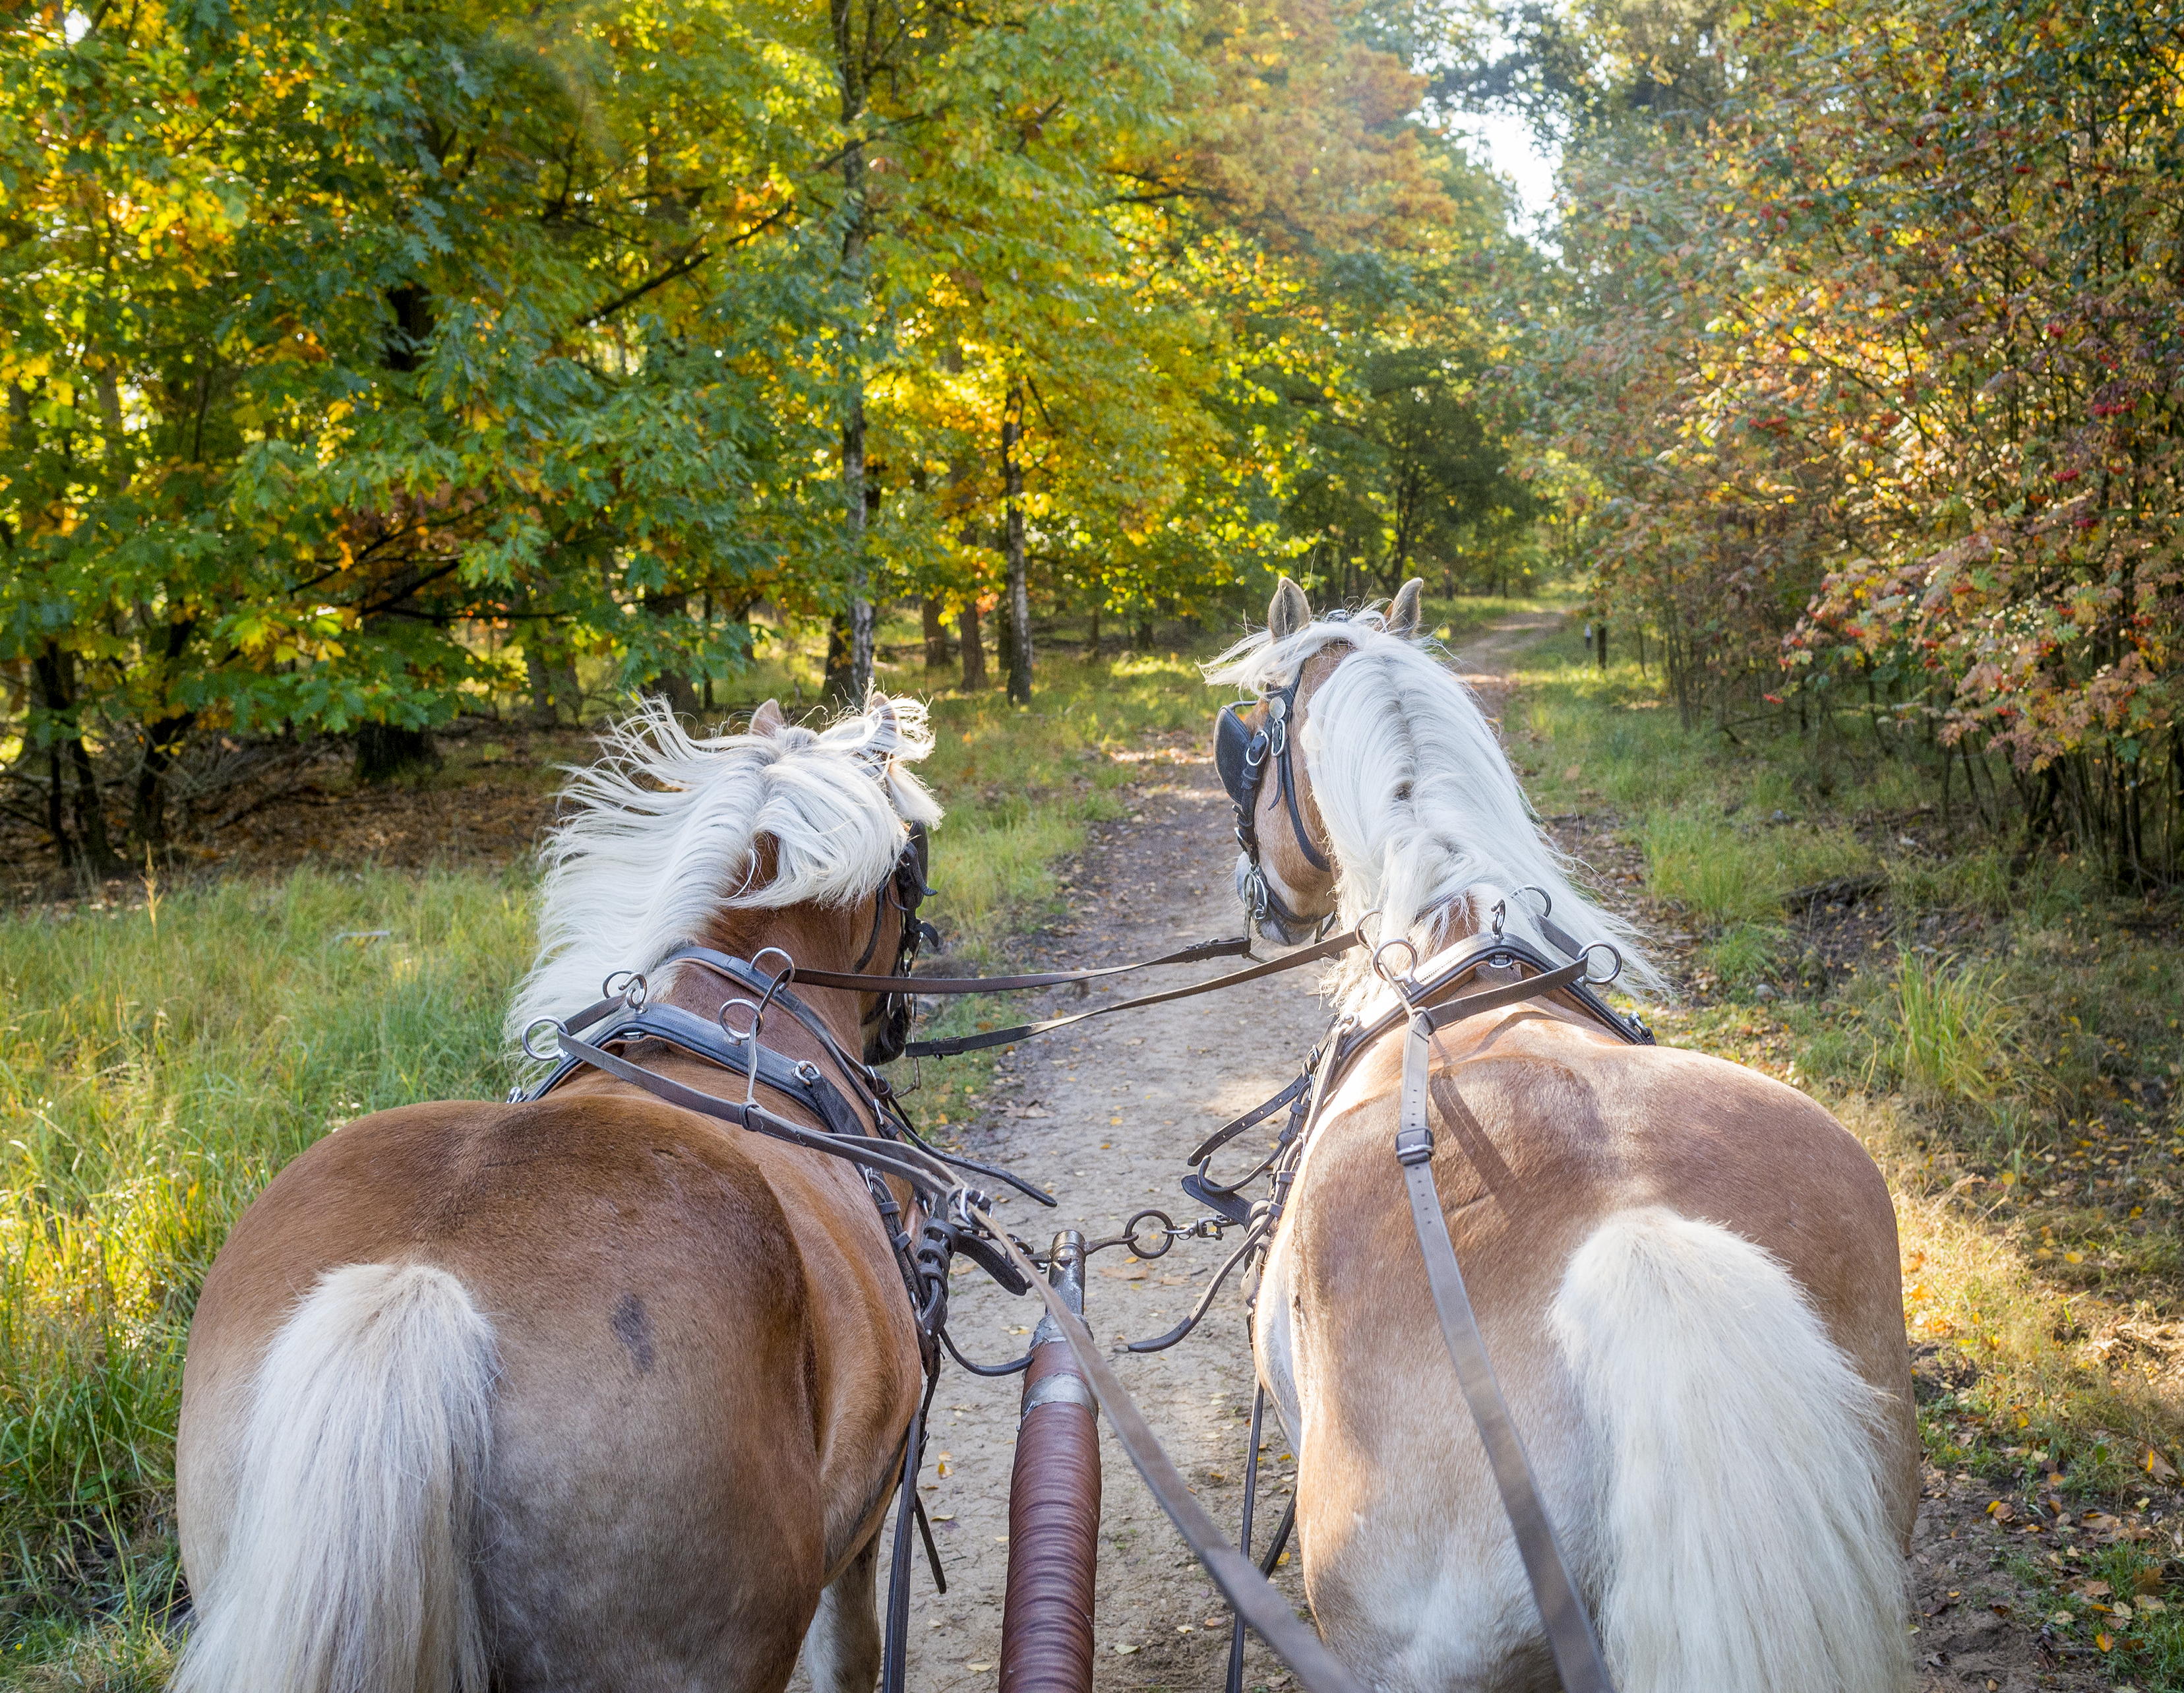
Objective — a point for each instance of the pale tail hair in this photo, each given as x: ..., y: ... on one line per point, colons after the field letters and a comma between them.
x: 1424, y: 812
x: 349, y: 1566
x: 664, y: 833
x: 1748, y: 1539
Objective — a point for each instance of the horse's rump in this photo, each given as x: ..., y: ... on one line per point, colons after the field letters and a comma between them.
x: 697, y: 1366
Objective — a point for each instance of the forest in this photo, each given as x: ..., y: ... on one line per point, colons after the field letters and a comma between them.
x: 365, y: 365
x: 369, y: 366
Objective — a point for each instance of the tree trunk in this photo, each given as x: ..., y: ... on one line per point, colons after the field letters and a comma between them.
x: 840, y: 675
x: 937, y: 655
x: 164, y: 741
x: 1142, y: 635
x: 90, y: 853
x: 1092, y: 639
x: 672, y: 686
x: 1019, y: 590
x: 163, y: 744
x: 542, y: 713
x: 973, y: 648
x: 855, y: 681
x: 387, y: 750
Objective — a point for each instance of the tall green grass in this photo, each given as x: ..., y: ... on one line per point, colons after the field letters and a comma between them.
x: 1727, y: 872
x: 157, y: 1066
x: 1952, y: 1029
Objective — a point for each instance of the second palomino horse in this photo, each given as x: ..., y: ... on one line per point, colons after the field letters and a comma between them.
x: 1686, y: 1274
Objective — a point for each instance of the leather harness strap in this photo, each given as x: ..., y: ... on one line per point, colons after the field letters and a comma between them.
x: 1234, y: 946
x: 950, y: 1046
x: 1569, y: 1632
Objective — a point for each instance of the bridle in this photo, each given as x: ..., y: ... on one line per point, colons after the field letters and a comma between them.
x: 906, y: 889
x: 1240, y: 754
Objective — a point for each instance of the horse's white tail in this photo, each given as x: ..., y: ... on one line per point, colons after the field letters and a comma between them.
x: 347, y: 1567
x: 1749, y: 1547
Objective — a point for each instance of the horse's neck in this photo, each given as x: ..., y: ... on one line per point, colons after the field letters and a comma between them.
x: 817, y: 936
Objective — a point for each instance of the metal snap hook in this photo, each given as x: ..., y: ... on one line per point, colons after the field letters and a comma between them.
x: 1615, y: 968
x: 781, y: 978
x: 529, y: 1051
x: 1380, y: 968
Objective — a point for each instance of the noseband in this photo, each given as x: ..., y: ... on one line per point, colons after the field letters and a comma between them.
x: 1241, y: 754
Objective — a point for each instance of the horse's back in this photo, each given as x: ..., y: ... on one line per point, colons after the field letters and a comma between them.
x: 1548, y: 1130
x: 666, y: 1381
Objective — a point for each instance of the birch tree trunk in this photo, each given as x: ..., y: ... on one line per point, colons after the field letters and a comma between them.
x: 1019, y: 590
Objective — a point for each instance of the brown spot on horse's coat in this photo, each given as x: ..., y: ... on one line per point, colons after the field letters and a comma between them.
x: 634, y: 1328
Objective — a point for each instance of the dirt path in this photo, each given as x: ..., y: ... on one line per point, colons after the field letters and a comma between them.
x: 1105, y: 1120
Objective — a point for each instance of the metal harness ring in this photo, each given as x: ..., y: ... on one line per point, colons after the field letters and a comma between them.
x: 531, y: 1052
x: 1410, y: 970
x: 757, y: 1019
x: 1615, y: 970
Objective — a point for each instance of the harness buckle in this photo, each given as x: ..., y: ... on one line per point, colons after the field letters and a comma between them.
x: 1414, y: 1146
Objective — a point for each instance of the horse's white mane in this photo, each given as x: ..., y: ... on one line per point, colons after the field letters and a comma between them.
x: 1425, y: 815
x: 663, y: 832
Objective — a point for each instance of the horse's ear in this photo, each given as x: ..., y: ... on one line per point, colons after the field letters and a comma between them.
x: 1288, y: 611
x: 768, y: 719
x: 1403, y: 613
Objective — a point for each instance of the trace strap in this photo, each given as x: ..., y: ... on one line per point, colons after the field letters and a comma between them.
x: 951, y: 1046
x: 1569, y: 1632
x: 1255, y: 1599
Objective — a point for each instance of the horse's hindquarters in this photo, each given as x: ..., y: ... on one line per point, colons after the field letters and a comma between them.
x: 1702, y: 1402
x: 1744, y: 1508
x: 694, y: 1407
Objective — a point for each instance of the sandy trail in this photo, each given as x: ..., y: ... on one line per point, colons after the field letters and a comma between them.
x: 1104, y: 1119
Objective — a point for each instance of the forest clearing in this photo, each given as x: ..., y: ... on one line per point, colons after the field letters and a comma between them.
x: 398, y: 399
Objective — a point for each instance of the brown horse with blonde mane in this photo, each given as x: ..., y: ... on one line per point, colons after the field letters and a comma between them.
x: 589, y: 1392
x: 1684, y: 1272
